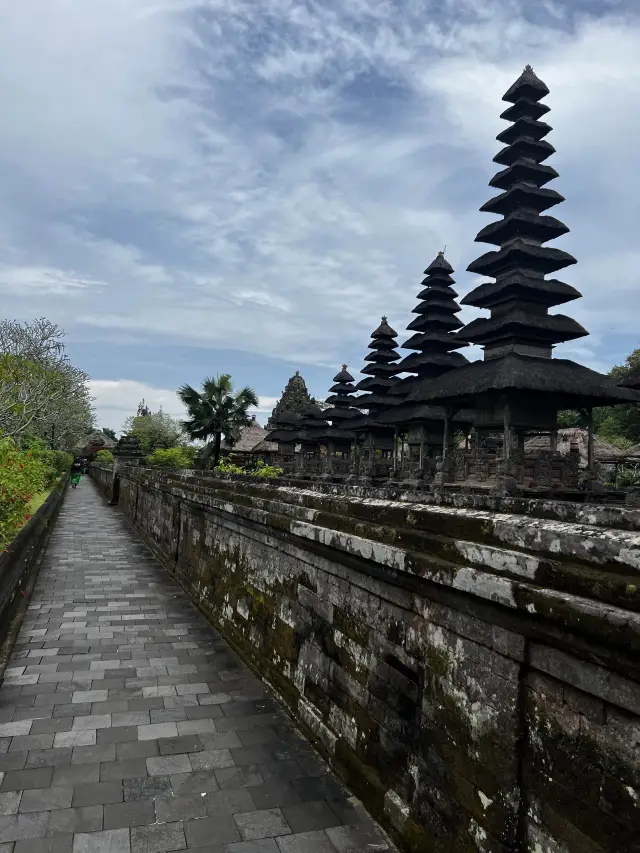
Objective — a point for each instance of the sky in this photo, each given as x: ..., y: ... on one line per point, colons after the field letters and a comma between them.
x: 191, y: 187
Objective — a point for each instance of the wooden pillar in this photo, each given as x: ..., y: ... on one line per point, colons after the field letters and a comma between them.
x: 590, y: 440
x: 445, y: 437
x: 506, y: 435
x: 553, y: 440
x: 421, y: 463
x: 396, y: 433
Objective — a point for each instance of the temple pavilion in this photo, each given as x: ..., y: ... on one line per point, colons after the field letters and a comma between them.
x: 340, y: 437
x: 518, y: 388
x: 434, y: 352
x: 376, y: 442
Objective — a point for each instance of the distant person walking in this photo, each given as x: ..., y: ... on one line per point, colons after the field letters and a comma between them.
x: 76, y: 473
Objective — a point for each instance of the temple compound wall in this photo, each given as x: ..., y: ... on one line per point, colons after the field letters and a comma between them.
x: 472, y: 672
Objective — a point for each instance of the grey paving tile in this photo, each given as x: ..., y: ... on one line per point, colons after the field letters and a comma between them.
x: 211, y: 759
x: 275, y: 795
x: 265, y: 823
x: 158, y: 838
x: 84, y: 819
x: 136, y: 749
x: 261, y: 845
x: 15, y: 827
x: 304, y: 842
x: 98, y: 793
x: 307, y: 817
x: 107, y: 841
x: 147, y: 788
x: 16, y: 780
x: 94, y: 754
x: 182, y: 807
x: 167, y: 765
x: 76, y: 774
x: 222, y: 828
x: 49, y: 757
x: 131, y: 768
x: 54, y: 844
x: 46, y: 799
x: 9, y: 802
x: 134, y: 813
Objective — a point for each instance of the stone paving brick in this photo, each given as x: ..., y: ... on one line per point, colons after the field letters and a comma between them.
x: 54, y: 844
x: 98, y: 793
x: 135, y: 813
x: 14, y: 827
x: 266, y: 823
x: 46, y: 799
x: 303, y: 842
x: 84, y: 819
x: 107, y: 841
x: 158, y: 838
x: 222, y: 829
x: 260, y: 845
x: 128, y: 726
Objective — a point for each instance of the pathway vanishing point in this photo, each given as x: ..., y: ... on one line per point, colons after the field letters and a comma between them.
x: 127, y: 724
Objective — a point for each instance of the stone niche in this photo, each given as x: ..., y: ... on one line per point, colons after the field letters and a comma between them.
x: 472, y: 675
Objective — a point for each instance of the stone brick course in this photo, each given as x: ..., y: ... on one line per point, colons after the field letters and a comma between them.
x: 123, y: 715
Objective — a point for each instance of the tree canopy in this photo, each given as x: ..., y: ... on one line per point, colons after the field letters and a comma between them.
x: 619, y: 425
x: 155, y: 431
x: 216, y: 412
x: 42, y: 394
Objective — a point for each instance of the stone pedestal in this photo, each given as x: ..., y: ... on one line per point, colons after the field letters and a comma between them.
x: 126, y: 453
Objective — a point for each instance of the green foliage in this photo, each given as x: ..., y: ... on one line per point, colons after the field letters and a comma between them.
x: 260, y: 469
x: 23, y: 473
x: 216, y: 411
x: 55, y: 462
x: 110, y: 433
x: 41, y: 393
x: 155, y: 430
x: 627, y: 477
x: 172, y: 457
x: 104, y: 457
x: 619, y: 425
x: 224, y: 467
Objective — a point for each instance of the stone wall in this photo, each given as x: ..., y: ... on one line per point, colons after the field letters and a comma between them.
x: 18, y: 566
x: 473, y: 675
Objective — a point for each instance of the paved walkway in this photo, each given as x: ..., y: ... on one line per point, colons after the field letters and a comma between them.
x: 126, y: 723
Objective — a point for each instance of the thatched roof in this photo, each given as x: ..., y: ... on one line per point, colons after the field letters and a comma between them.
x: 602, y: 450
x: 250, y: 437
x: 571, y: 384
x: 97, y: 440
x: 632, y: 380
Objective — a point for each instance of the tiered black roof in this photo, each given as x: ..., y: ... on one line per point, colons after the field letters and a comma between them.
x: 520, y: 297
x: 520, y: 333
x: 284, y: 427
x: 382, y: 369
x: 433, y: 339
x: 342, y: 400
x: 312, y: 426
x: 632, y: 379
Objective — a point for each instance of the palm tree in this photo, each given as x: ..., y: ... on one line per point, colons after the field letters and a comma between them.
x: 216, y: 411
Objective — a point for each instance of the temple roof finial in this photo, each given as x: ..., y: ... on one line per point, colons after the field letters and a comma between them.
x: 529, y: 68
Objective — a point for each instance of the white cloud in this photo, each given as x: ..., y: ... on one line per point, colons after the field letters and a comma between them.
x: 273, y: 177
x: 118, y: 399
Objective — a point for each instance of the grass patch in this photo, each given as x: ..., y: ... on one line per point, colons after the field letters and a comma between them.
x: 37, y: 501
